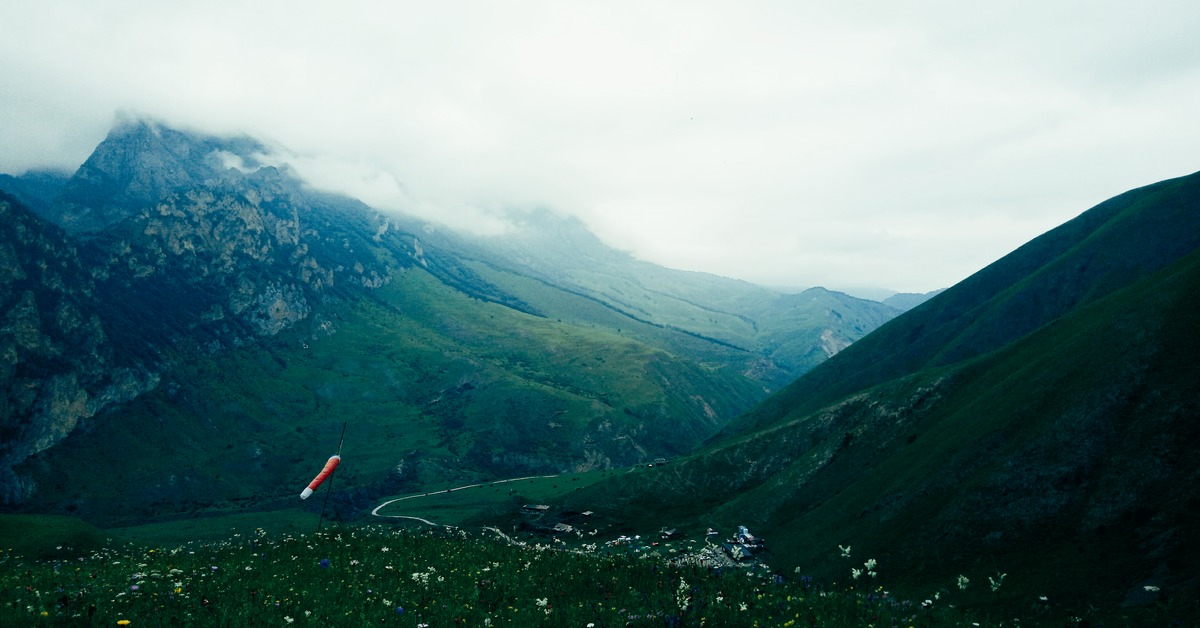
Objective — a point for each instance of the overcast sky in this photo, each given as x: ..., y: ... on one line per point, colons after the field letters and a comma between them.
x: 895, y: 144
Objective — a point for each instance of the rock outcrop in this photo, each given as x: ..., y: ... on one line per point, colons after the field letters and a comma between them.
x: 159, y: 246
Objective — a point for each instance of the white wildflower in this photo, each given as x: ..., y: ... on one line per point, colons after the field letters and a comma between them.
x: 681, y: 595
x: 997, y: 581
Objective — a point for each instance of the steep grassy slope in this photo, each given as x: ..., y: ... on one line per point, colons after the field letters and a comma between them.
x: 1101, y: 250
x: 1057, y: 453
x: 779, y: 336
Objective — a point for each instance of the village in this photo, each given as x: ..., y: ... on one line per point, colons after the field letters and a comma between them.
x: 742, y: 550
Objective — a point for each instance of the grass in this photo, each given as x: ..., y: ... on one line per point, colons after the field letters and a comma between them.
x: 379, y: 575
x: 485, y: 501
x: 274, y: 569
x: 45, y: 535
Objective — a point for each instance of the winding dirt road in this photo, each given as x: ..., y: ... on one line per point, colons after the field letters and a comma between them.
x: 376, y: 510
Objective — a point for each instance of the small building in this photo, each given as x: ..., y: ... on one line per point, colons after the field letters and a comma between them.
x: 737, y: 551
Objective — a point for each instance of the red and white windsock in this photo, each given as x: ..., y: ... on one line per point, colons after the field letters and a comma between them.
x: 330, y: 465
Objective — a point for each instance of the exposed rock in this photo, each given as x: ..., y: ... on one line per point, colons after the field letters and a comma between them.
x: 183, y: 250
x: 831, y: 344
x: 277, y: 308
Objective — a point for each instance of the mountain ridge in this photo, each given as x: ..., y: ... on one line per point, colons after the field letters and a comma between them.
x: 993, y: 294
x: 956, y: 440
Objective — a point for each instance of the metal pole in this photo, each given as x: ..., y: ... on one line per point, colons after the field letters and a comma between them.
x: 330, y: 489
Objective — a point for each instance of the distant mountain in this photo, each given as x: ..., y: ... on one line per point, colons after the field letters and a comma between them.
x: 215, y: 321
x: 780, y: 335
x: 36, y: 189
x: 1035, y: 420
x: 905, y: 301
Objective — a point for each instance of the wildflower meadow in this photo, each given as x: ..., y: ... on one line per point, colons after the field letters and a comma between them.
x: 378, y: 575
x: 359, y: 576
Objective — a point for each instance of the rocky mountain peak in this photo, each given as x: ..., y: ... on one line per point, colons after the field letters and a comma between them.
x: 140, y: 162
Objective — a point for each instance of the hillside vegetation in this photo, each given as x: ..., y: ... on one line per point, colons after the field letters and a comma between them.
x: 1034, y: 420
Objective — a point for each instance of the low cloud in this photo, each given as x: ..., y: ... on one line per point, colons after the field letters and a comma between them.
x: 790, y: 144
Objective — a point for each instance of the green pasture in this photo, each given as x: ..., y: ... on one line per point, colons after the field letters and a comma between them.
x: 502, y: 500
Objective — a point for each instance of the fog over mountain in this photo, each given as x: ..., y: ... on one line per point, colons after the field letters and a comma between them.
x: 788, y: 144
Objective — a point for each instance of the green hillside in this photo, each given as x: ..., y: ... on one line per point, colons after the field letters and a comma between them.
x: 435, y: 386
x: 778, y: 336
x: 1103, y: 249
x: 1057, y: 453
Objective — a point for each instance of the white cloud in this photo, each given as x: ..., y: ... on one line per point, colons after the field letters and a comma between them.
x: 857, y: 143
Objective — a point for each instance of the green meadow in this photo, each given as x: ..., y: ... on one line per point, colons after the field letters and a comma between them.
x: 385, y: 575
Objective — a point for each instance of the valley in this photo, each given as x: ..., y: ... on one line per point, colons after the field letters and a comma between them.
x: 235, y: 316
x: 181, y: 347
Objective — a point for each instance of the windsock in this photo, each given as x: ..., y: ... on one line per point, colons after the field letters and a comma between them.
x: 330, y: 465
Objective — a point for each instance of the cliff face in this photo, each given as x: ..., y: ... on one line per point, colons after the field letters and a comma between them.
x: 57, y: 363
x: 177, y: 254
x: 244, y: 256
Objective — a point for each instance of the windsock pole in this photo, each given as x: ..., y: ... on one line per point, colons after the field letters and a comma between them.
x: 330, y: 489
